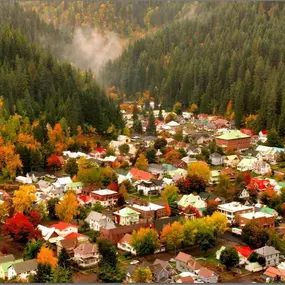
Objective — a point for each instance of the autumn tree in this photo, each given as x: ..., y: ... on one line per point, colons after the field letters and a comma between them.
x: 71, y: 167
x: 123, y: 191
x: 200, y: 169
x: 170, y: 195
x: 46, y: 256
x: 145, y: 241
x: 19, y: 228
x: 172, y: 154
x: 67, y: 209
x: 142, y: 162
x: 224, y: 188
x: 142, y: 275
x: 193, y: 108
x: 4, y: 211
x: 24, y: 198
x: 177, y: 108
x: 173, y: 235
x: 51, y: 208
x: 54, y: 161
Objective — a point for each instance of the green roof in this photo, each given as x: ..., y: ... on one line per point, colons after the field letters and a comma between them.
x: 232, y: 135
x: 5, y: 265
x: 75, y: 184
x: 267, y: 210
x: 128, y: 212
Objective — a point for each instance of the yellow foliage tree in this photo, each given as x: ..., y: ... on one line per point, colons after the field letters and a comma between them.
x: 142, y: 162
x: 219, y: 222
x: 123, y: 191
x: 170, y: 194
x: 24, y: 198
x: 193, y: 108
x: 46, y: 256
x: 200, y: 169
x: 173, y: 235
x: 67, y: 209
x: 142, y: 275
x: 4, y: 211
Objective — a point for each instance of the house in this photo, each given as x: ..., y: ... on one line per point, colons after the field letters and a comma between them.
x: 193, y: 151
x: 214, y: 176
x: 233, y: 210
x: 75, y: 186
x: 192, y: 200
x: 268, y: 153
x: 96, y: 221
x: 231, y: 161
x: 185, y: 279
x: 85, y: 200
x: 206, y: 196
x: 263, y: 220
x: 130, y: 273
x: 233, y: 140
x: 182, y: 260
x: 22, y: 270
x: 126, y: 216
x: 261, y: 167
x: 24, y: 180
x: 80, y: 237
x: 125, y: 244
x: 262, y: 136
x: 221, y: 123
x: 259, y: 184
x: 86, y: 254
x: 244, y: 252
x: 150, y: 188
x: 178, y: 163
x: 270, y: 254
x: 105, y: 197
x: 273, y: 274
x: 160, y: 271
x: 69, y: 244
x: 207, y: 275
x: 5, y: 263
x: 216, y: 159
x: 155, y: 169
x: 138, y: 174
x: 247, y: 164
x: 244, y: 194
x: 49, y: 234
x: 61, y: 183
x: 63, y: 229
x: 148, y: 210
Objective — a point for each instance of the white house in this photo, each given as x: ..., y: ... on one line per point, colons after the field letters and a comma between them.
x: 61, y: 182
x: 216, y: 159
x: 214, y: 176
x: 247, y: 164
x: 233, y: 210
x: 96, y: 221
x: 262, y: 136
x: 24, y: 179
x: 231, y: 161
x: 125, y: 244
x: 23, y: 269
x: 261, y: 167
x: 126, y: 216
x: 49, y: 234
x: 63, y: 229
x: 244, y: 194
x: 270, y: 254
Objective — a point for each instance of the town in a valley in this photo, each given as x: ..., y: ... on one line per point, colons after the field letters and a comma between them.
x: 156, y: 169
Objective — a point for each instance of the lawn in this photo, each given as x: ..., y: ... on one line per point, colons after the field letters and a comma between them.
x: 146, y: 198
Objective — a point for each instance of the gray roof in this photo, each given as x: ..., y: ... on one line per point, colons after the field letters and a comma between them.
x: 7, y: 258
x: 25, y: 266
x: 266, y: 251
x: 103, y: 221
x: 215, y: 155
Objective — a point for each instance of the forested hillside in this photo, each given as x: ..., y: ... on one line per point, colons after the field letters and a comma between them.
x: 129, y: 18
x: 225, y: 51
x: 34, y: 84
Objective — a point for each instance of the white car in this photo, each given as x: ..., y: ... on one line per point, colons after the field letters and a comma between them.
x: 134, y: 262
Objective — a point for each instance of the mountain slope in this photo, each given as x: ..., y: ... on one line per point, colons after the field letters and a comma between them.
x: 225, y: 51
x: 34, y: 84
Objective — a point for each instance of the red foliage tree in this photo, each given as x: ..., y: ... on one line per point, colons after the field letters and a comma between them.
x: 197, y: 184
x: 19, y: 228
x: 4, y: 250
x: 113, y: 186
x: 34, y: 218
x: 184, y: 185
x: 54, y: 161
x: 190, y: 210
x: 167, y: 210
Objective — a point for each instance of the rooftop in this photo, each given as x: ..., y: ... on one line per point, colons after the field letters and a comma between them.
x: 149, y: 207
x: 234, y: 207
x: 104, y: 192
x: 233, y: 135
x: 256, y: 215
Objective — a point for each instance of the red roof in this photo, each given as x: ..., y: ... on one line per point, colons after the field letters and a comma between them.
x: 100, y: 149
x: 205, y: 272
x: 140, y: 174
x: 62, y: 226
x: 264, y: 132
x: 187, y: 279
x: 245, y: 251
x: 75, y: 235
x: 247, y: 132
x: 257, y: 183
x: 157, y: 122
x: 85, y: 198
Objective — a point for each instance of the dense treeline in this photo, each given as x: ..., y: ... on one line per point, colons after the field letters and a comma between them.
x: 35, y: 85
x: 222, y: 52
x: 130, y: 18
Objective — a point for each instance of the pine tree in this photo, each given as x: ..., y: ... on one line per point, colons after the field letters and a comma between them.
x: 63, y: 259
x: 151, y: 127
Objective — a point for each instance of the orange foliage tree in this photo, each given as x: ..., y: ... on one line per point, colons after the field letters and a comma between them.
x: 46, y: 256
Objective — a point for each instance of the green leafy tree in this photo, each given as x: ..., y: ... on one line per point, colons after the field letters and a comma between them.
x: 205, y: 240
x: 62, y: 275
x: 32, y: 249
x: 63, y: 259
x: 71, y: 167
x: 229, y: 257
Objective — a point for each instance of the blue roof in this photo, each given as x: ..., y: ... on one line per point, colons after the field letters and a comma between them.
x: 279, y: 149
